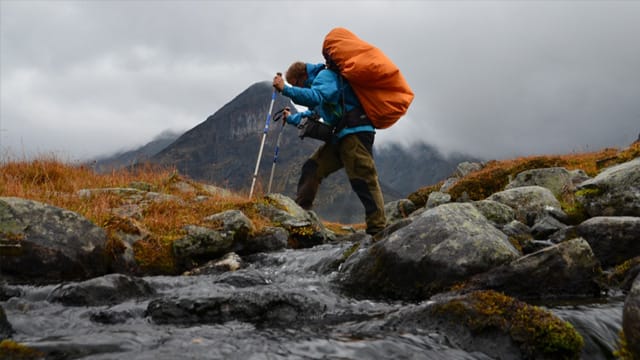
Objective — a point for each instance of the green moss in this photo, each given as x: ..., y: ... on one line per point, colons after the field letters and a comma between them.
x: 575, y: 211
x: 302, y: 236
x: 10, y: 349
x: 622, y: 351
x: 352, y: 249
x: 538, y: 332
x: 589, y: 192
x: 620, y: 272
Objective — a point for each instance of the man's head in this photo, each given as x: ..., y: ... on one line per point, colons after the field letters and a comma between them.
x: 296, y: 75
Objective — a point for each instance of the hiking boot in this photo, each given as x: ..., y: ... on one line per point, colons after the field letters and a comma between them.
x: 377, y: 234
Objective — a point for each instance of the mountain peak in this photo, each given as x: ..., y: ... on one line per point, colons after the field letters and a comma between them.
x: 223, y: 149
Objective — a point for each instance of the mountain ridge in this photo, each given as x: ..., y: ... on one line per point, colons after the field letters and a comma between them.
x: 223, y: 149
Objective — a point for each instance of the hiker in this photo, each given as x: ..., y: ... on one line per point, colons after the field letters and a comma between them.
x: 330, y: 97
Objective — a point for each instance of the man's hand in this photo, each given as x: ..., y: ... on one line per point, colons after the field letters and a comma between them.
x: 278, y: 82
x: 282, y: 114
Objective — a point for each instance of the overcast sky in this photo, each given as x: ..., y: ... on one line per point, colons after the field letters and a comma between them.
x: 492, y: 78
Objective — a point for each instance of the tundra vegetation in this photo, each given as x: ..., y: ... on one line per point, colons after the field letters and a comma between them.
x: 163, y: 219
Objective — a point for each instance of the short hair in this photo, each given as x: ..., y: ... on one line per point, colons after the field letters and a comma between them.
x: 296, y: 71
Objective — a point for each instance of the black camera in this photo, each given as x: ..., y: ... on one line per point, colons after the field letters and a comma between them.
x: 315, y: 128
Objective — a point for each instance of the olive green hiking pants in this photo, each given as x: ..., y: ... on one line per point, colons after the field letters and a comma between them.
x: 354, y: 153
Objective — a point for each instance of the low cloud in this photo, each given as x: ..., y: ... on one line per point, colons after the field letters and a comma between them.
x: 493, y: 79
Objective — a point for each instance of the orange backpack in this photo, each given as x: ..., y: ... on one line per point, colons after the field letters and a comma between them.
x: 376, y: 80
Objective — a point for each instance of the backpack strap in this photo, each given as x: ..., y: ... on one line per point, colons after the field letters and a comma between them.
x: 342, y: 123
x: 352, y: 118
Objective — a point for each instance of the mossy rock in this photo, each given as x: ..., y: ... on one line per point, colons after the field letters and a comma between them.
x: 623, y: 275
x: 11, y: 350
x: 538, y: 333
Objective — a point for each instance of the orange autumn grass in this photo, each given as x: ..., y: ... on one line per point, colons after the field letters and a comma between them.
x: 495, y: 175
x: 53, y: 182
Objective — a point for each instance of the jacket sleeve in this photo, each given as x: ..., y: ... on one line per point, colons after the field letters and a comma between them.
x: 323, y: 89
x: 294, y: 119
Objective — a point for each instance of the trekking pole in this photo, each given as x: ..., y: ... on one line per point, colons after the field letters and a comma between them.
x: 264, y: 137
x: 277, y: 151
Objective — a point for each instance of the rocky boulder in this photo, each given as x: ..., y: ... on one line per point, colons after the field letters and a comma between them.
x: 437, y: 198
x: 304, y: 227
x: 546, y: 226
x: 614, y: 239
x: 614, y: 192
x: 106, y: 290
x: 557, y: 179
x: 499, y: 214
x: 440, y: 247
x: 530, y: 203
x: 269, y: 239
x: 200, y: 245
x: 631, y: 319
x: 49, y: 244
x: 492, y: 324
x: 398, y: 210
x: 234, y: 222
x: 566, y: 270
x: 262, y: 307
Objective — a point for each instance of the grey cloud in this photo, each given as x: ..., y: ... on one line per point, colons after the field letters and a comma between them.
x: 491, y: 78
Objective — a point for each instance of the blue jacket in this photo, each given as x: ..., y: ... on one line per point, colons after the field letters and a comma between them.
x: 321, y: 94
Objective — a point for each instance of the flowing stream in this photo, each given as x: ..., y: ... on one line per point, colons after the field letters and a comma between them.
x: 125, y: 331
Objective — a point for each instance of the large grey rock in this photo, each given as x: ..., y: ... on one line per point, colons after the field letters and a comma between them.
x: 235, y: 222
x: 614, y: 192
x: 269, y: 239
x: 556, y: 179
x: 631, y: 319
x: 200, y: 245
x: 546, y: 226
x: 49, y: 244
x: 262, y: 307
x: 529, y: 202
x: 487, y: 323
x: 465, y: 168
x: 578, y: 176
x: 437, y: 198
x: 105, y: 290
x: 304, y: 227
x: 614, y: 239
x: 398, y: 210
x: 499, y: 214
x: 565, y: 270
x: 441, y: 247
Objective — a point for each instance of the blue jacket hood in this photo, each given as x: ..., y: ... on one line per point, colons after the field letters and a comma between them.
x: 312, y: 72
